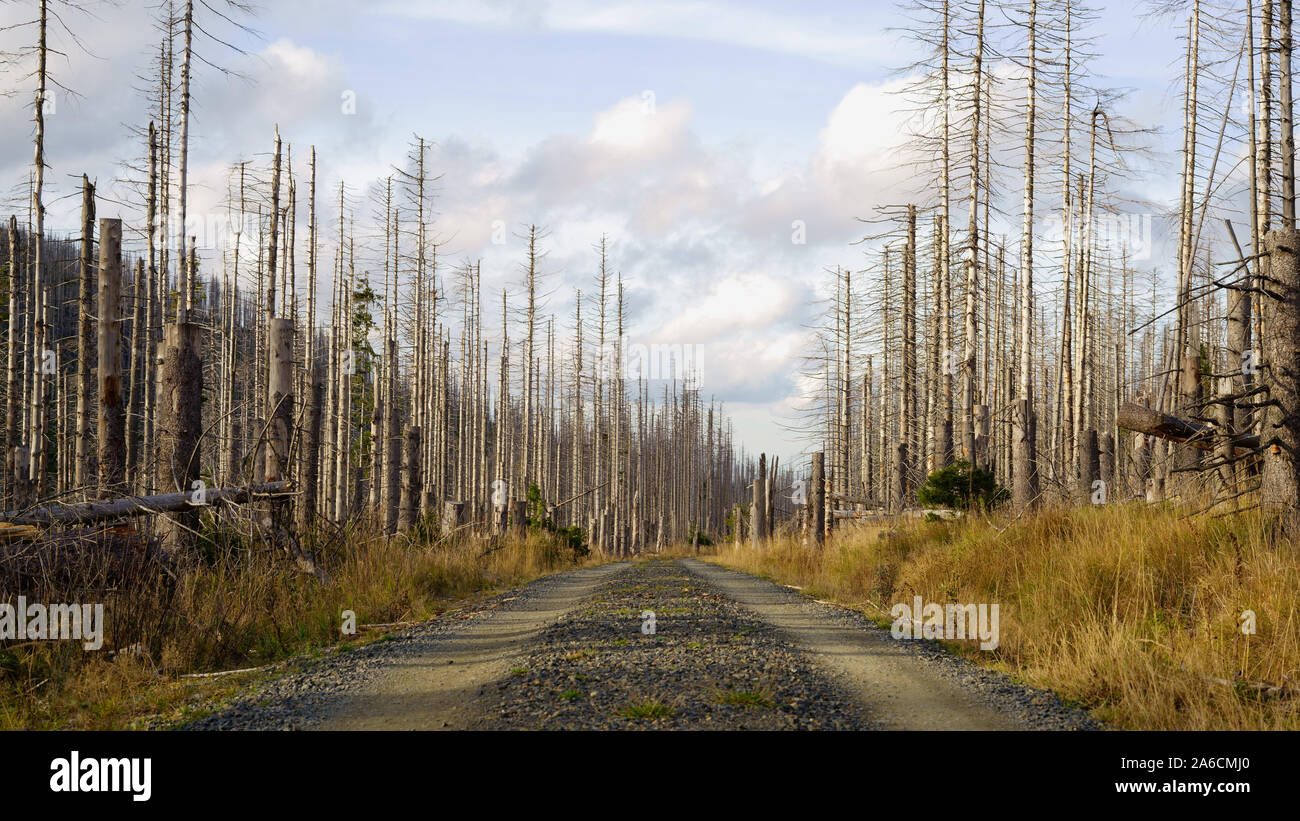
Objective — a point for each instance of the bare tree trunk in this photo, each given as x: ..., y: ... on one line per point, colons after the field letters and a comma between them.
x: 83, y: 465
x: 184, y: 275
x: 12, y: 385
x: 280, y: 410
x: 38, y: 298
x: 112, y: 428
x: 1025, y: 490
x: 1287, y: 116
x: 945, y: 359
x: 1280, y: 479
x: 392, y: 444
x: 412, y: 489
x: 972, y: 254
x: 817, y: 499
x: 907, y: 409
x: 179, y: 424
x: 311, y: 436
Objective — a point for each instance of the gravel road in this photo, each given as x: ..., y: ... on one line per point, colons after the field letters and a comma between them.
x: 574, y: 651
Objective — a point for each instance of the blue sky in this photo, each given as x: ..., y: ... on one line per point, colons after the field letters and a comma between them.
x: 763, y: 113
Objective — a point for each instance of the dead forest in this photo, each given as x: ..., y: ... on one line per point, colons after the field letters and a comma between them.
x: 1025, y: 312
x: 1029, y: 314
x: 327, y: 367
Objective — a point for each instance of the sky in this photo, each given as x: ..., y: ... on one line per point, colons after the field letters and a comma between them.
x: 704, y: 138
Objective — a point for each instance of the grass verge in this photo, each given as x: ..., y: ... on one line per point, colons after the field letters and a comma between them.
x: 239, y: 608
x: 1133, y: 610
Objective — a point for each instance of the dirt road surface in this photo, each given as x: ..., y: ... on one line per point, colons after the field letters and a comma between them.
x: 665, y: 644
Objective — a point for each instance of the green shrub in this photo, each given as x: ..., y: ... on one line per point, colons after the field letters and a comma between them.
x: 961, y: 486
x: 705, y: 539
x: 564, y: 538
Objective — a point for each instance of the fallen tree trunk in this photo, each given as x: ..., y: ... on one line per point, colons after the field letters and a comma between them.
x: 855, y: 500
x: 1154, y: 423
x: 139, y: 505
x: 908, y: 513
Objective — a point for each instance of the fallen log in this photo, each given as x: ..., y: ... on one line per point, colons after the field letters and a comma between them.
x: 856, y: 500
x: 909, y: 513
x: 84, y: 512
x: 11, y: 532
x: 1154, y: 423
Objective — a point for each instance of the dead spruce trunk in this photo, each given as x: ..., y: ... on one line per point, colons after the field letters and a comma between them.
x: 1280, y: 480
x: 412, y: 486
x: 179, y: 425
x: 112, y: 419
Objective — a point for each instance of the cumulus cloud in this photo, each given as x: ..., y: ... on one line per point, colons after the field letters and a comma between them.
x: 703, y: 242
x: 705, y: 245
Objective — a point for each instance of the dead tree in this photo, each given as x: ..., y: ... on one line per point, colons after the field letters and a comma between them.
x: 311, y: 451
x: 112, y: 419
x: 758, y: 510
x: 179, y: 425
x: 85, y: 335
x: 412, y: 491
x: 1280, y: 478
x: 817, y: 499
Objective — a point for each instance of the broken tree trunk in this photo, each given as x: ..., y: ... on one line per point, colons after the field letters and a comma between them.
x: 179, y: 424
x: 83, y: 470
x: 1174, y: 429
x: 898, y: 480
x: 518, y: 517
x: 311, y: 437
x: 85, y: 512
x: 1280, y: 478
x: 816, y: 499
x: 1108, y: 463
x: 1024, y: 471
x: 453, y: 516
x: 412, y: 486
x: 280, y: 397
x: 1089, y: 468
x: 1187, y: 461
x: 112, y: 420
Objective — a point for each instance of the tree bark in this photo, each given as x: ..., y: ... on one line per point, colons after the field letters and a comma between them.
x: 311, y: 451
x: 816, y: 499
x: 412, y: 481
x: 179, y: 424
x: 1280, y: 479
x: 112, y: 419
x: 83, y: 465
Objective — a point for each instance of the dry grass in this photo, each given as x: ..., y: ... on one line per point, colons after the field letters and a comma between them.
x: 242, y: 609
x: 1126, y: 609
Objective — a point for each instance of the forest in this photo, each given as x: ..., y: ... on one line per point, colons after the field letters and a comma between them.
x: 326, y: 411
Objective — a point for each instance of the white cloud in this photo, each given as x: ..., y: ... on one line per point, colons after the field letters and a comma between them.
x: 858, y: 149
x: 640, y: 126
x: 752, y: 302
x: 703, y: 243
x: 849, y: 40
